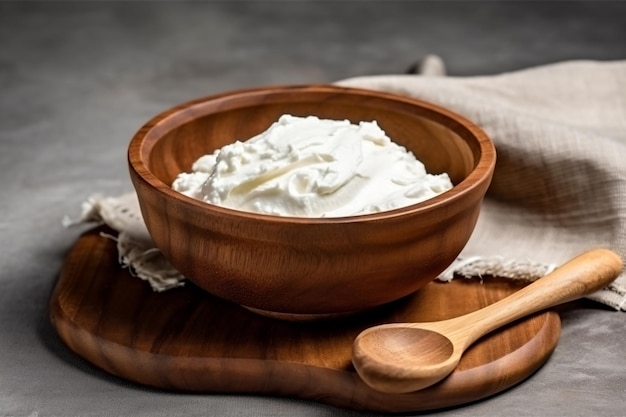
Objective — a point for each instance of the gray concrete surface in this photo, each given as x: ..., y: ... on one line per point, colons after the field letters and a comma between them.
x: 77, y: 80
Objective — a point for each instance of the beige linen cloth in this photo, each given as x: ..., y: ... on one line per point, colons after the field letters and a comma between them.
x: 559, y: 186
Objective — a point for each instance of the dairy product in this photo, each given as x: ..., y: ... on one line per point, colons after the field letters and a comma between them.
x: 311, y: 167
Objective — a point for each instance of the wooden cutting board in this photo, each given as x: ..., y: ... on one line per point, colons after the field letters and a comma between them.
x: 188, y: 340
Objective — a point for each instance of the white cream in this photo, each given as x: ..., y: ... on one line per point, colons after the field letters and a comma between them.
x: 311, y: 167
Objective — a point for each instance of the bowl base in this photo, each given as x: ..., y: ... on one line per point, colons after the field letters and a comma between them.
x: 299, y: 317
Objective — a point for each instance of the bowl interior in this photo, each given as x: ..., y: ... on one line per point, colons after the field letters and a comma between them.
x: 192, y: 130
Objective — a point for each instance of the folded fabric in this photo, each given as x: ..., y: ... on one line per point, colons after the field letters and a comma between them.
x: 135, y: 247
x: 559, y: 187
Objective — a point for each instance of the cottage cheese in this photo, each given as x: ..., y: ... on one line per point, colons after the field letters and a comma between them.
x: 311, y: 167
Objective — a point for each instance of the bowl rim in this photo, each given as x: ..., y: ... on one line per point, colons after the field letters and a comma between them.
x: 482, y: 171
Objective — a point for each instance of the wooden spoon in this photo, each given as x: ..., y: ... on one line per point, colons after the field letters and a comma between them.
x: 405, y: 357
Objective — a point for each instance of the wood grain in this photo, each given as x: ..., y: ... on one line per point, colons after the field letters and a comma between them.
x: 406, y: 357
x: 350, y: 263
x: 189, y: 340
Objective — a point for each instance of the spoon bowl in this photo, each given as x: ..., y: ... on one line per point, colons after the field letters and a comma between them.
x: 432, y: 352
x: 406, y: 357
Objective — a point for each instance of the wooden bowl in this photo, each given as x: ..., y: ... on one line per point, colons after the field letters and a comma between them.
x: 309, y: 266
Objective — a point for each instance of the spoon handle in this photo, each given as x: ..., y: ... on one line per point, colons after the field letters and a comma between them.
x: 578, y: 277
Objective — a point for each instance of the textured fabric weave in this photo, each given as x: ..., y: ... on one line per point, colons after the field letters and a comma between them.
x: 559, y: 187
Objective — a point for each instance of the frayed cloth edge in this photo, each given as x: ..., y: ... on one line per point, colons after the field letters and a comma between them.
x: 612, y: 295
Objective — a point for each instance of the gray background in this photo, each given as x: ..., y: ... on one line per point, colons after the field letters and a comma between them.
x: 78, y: 79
